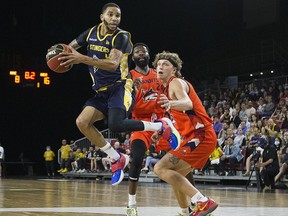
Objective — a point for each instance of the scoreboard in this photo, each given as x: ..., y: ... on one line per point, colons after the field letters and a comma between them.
x: 30, y: 78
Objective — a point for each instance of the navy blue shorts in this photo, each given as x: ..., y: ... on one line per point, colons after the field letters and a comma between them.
x: 120, y: 95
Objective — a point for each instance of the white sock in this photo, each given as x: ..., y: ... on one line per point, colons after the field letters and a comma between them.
x: 152, y: 126
x: 110, y: 151
x: 131, y: 200
x: 198, y: 197
x: 184, y: 211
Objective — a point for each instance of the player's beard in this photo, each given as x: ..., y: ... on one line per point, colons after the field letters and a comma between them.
x: 107, y: 26
x: 142, y: 63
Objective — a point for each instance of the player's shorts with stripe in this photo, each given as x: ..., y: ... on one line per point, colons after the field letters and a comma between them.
x: 119, y: 95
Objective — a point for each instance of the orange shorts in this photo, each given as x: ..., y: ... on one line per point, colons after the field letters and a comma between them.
x: 196, y: 150
x: 146, y: 137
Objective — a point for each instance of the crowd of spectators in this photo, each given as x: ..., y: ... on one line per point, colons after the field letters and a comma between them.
x: 241, y: 118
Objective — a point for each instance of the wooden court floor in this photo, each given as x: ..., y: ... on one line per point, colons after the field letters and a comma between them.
x: 72, y: 197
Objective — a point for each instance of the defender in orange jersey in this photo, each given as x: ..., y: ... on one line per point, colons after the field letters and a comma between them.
x: 146, y: 108
x: 197, y: 135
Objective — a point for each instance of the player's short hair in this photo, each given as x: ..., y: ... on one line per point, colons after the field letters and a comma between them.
x: 173, y: 58
x: 110, y: 4
x: 141, y: 44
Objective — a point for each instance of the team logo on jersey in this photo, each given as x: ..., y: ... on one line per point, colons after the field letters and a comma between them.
x: 107, y: 42
x: 149, y: 95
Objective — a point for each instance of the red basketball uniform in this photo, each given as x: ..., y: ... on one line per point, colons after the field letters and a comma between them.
x: 195, y: 127
x: 146, y: 107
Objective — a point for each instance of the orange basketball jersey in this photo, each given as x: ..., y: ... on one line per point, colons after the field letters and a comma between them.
x: 146, y: 98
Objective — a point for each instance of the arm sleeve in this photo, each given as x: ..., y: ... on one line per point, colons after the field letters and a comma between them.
x: 121, y: 42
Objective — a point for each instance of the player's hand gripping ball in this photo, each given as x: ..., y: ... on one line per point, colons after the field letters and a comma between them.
x: 53, y: 55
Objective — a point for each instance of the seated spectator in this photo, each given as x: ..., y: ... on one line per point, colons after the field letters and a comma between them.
x: 127, y: 141
x: 254, y: 119
x: 223, y: 134
x: 268, y: 108
x: 253, y: 142
x: 225, y: 117
x: 75, y: 163
x: 243, y: 126
x: 242, y: 112
x: 152, y: 158
x: 214, y: 160
x: 261, y: 104
x: 99, y: 155
x: 118, y: 147
x: 232, y: 154
x: 272, y: 129
x: 89, y: 158
x: 283, y: 165
x: 279, y: 116
x: 233, y: 127
x: 256, y: 148
x: 250, y: 110
x: 83, y: 161
x: 240, y: 139
x: 217, y: 125
x: 269, y: 166
x: 235, y: 118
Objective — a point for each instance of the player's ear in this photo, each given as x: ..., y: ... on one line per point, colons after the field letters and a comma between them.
x: 101, y: 17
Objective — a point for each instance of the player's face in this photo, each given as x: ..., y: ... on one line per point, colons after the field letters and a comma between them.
x: 141, y: 56
x: 111, y: 18
x: 165, y: 70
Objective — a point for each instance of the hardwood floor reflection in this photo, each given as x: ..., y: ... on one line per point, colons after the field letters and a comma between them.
x: 63, y: 197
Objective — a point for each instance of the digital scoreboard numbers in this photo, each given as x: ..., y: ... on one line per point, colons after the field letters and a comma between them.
x: 30, y: 78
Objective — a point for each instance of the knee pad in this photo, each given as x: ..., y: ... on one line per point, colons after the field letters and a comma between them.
x: 138, y: 149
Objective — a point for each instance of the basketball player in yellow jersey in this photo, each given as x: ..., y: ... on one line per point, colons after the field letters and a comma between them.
x: 108, y: 48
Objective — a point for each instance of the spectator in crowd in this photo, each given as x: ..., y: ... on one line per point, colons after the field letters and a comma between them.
x: 242, y: 112
x: 49, y: 156
x: 269, y: 107
x: 118, y: 147
x: 272, y: 129
x: 90, y: 158
x: 214, y: 160
x: 225, y: 117
x: 217, y: 125
x: 76, y: 164
x: 240, y: 139
x: 235, y: 118
x: 1, y: 158
x: 99, y: 156
x: 223, y: 133
x: 243, y: 126
x: 121, y: 137
x: 259, y: 125
x: 279, y: 116
x: 127, y: 140
x: 269, y: 165
x: 64, y: 150
x: 152, y: 159
x: 250, y: 110
x: 254, y: 119
x: 283, y: 159
x: 253, y: 142
x: 232, y: 155
x: 233, y: 128
x: 261, y: 104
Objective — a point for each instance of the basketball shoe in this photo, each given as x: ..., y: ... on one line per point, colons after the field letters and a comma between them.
x: 117, y: 169
x: 131, y: 211
x: 169, y: 133
x: 204, y: 208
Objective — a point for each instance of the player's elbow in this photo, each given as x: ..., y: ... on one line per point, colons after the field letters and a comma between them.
x: 113, y: 66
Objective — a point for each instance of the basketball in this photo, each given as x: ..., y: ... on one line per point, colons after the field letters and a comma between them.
x: 52, y: 58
